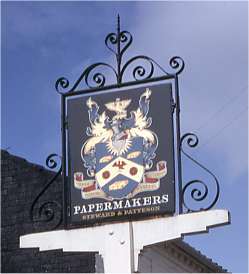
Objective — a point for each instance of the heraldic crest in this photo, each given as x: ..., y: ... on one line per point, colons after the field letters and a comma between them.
x: 119, y: 152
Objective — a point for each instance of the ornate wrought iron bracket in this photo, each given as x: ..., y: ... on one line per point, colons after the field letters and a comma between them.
x: 199, y: 189
x: 92, y: 79
x: 118, y: 43
x: 49, y: 211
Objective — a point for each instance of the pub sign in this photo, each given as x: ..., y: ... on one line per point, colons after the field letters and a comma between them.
x: 121, y: 155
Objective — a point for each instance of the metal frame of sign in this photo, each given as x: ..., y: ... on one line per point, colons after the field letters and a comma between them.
x: 94, y: 80
x: 131, y: 173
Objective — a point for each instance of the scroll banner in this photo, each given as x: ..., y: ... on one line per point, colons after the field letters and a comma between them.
x: 151, y: 182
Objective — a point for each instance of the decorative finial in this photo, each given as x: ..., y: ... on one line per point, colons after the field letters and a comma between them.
x: 118, y: 28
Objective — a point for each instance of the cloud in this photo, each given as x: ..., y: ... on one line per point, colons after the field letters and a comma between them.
x: 43, y: 20
x: 212, y: 39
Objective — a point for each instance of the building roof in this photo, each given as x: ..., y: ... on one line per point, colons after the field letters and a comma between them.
x: 196, y: 254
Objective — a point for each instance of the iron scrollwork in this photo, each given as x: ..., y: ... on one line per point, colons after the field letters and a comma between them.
x: 118, y: 43
x: 50, y: 211
x: 199, y: 189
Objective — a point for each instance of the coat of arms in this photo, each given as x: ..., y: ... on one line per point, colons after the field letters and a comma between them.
x: 118, y: 154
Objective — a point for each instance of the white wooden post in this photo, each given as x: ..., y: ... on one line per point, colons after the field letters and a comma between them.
x: 120, y: 243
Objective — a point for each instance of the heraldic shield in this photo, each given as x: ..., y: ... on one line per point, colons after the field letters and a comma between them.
x: 119, y: 151
x: 117, y: 175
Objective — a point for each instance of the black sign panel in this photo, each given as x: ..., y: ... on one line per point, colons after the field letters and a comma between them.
x: 120, y: 155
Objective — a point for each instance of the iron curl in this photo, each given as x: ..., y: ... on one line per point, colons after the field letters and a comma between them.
x: 51, y: 162
x: 111, y: 39
x: 98, y: 78
x: 177, y: 64
x: 140, y: 72
x: 126, y: 39
x: 191, y: 139
x: 61, y: 85
x: 49, y: 211
x: 198, y: 193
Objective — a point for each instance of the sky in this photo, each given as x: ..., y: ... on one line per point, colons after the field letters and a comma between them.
x: 42, y: 41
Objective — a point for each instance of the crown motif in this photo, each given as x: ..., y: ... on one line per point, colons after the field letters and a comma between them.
x: 119, y: 107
